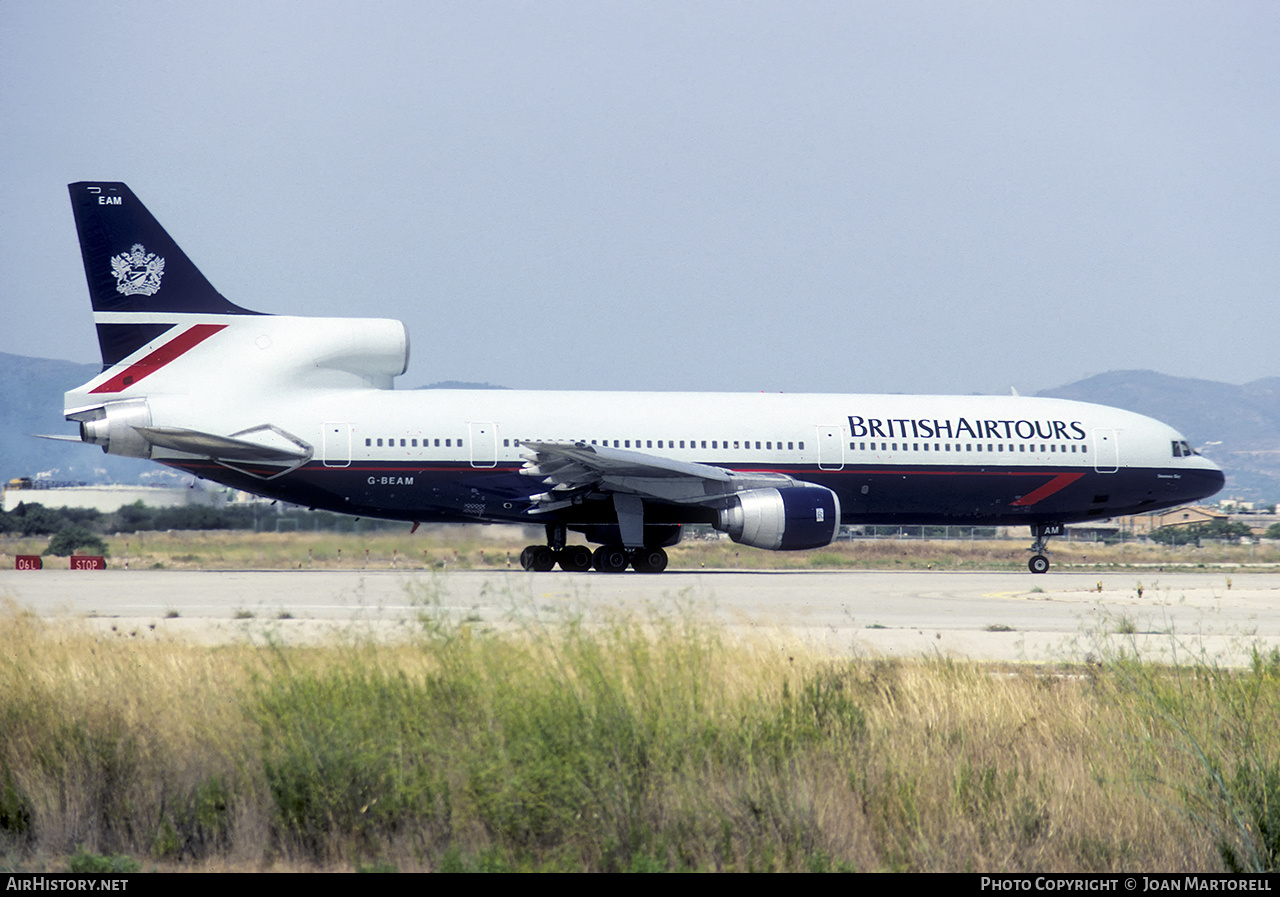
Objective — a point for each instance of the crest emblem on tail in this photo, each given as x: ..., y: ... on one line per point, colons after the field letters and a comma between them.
x: 137, y: 271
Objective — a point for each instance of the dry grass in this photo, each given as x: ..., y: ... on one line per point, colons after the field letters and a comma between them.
x: 621, y: 745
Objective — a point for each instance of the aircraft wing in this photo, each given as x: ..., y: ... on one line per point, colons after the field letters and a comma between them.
x: 573, y: 470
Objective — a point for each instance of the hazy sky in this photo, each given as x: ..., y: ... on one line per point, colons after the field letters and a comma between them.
x: 798, y: 196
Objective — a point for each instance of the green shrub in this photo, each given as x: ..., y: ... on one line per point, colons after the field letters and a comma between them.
x: 75, y: 538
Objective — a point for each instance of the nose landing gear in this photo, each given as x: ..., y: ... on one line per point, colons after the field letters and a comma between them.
x: 1040, y: 533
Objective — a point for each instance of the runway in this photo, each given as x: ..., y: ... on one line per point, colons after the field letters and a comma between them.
x: 980, y: 616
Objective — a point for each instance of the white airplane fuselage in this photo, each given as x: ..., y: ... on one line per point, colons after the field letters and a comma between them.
x: 303, y: 409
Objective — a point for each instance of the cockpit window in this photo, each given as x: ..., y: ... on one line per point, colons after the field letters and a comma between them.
x: 1181, y: 449
x: 1177, y: 449
x: 1187, y: 451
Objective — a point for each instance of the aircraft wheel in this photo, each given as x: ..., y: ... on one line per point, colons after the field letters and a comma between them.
x: 649, y: 560
x: 574, y: 558
x: 537, y: 558
x: 610, y: 559
x: 1038, y: 564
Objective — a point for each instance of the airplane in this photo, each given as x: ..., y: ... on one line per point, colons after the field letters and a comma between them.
x: 304, y: 410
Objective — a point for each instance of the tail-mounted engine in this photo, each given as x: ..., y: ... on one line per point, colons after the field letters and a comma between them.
x: 785, y: 519
x: 113, y: 426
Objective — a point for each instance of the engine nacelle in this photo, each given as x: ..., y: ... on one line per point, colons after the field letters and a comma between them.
x: 786, y: 519
x: 324, y: 351
x: 112, y: 427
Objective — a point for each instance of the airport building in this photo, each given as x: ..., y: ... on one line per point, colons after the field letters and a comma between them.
x: 54, y: 494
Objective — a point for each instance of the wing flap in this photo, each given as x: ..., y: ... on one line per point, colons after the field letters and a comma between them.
x: 575, y: 469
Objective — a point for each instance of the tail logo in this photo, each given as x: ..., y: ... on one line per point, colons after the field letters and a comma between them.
x: 137, y: 271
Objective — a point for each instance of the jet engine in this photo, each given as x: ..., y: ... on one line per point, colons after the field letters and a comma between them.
x: 784, y: 519
x: 113, y: 424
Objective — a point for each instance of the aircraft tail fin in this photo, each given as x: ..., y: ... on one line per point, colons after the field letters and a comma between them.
x: 138, y: 276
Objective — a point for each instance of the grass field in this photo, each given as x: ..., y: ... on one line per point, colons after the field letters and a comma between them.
x: 481, y: 547
x: 628, y: 744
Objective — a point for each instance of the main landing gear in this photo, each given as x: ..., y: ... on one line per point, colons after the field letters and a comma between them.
x: 605, y: 559
x: 541, y: 558
x: 580, y: 558
x: 1040, y: 533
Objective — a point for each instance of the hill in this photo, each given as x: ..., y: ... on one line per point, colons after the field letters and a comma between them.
x: 30, y: 403
x: 1236, y: 426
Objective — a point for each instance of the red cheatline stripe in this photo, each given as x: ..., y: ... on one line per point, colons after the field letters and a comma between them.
x: 176, y: 347
x: 1061, y: 481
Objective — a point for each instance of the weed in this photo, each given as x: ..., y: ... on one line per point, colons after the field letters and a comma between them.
x: 621, y: 743
x: 82, y: 861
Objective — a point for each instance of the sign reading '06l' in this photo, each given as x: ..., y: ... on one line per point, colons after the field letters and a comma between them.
x: 28, y: 562
x: 88, y: 562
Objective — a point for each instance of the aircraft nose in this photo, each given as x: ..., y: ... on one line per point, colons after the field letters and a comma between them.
x: 1206, y: 481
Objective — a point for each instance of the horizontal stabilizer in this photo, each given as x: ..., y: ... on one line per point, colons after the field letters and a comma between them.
x: 220, y: 448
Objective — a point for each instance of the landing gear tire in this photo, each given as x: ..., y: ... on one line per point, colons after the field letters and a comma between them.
x: 1038, y: 564
x: 574, y: 559
x: 649, y: 560
x: 538, y: 558
x: 610, y: 559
